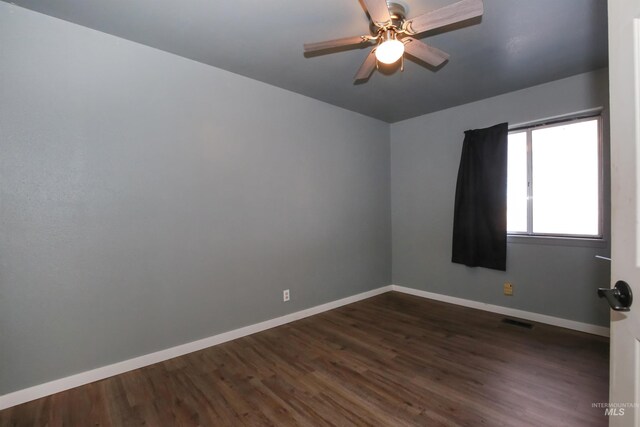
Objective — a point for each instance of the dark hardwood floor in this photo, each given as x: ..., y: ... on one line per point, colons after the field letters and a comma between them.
x: 391, y: 360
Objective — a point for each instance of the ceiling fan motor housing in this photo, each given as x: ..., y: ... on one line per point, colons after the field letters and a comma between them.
x: 398, y: 14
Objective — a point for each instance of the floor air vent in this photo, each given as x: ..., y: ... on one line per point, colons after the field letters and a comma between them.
x: 517, y: 323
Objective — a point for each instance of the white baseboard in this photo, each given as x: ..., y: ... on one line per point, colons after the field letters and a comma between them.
x: 513, y: 312
x: 62, y: 384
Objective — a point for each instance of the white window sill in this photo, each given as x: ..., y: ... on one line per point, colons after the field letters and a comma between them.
x: 557, y: 241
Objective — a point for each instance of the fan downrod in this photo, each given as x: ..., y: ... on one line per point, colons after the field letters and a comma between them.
x: 398, y: 14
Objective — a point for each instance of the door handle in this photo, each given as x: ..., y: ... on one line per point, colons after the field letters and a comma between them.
x: 619, y: 297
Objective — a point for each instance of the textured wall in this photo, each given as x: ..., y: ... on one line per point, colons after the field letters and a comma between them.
x: 147, y: 200
x: 554, y: 279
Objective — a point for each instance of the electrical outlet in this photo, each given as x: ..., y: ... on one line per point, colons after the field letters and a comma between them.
x: 508, y: 289
x: 286, y: 296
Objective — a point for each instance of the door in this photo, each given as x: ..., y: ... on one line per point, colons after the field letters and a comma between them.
x: 624, y: 78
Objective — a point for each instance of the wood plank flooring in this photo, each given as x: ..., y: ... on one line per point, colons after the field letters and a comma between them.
x: 391, y: 360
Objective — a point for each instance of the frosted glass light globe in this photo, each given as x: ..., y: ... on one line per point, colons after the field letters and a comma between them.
x: 390, y: 51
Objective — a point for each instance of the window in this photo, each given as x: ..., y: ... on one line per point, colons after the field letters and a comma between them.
x: 554, y: 180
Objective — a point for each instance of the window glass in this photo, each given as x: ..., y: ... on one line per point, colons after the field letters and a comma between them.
x: 554, y: 176
x: 565, y: 179
x: 517, y: 183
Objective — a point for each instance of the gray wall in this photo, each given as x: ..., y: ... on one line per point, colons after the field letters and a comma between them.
x: 147, y: 200
x: 558, y: 280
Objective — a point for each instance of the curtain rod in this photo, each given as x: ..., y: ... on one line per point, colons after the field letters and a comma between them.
x: 551, y: 120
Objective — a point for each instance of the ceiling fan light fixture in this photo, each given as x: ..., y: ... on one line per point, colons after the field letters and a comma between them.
x: 391, y: 49
x: 387, y: 21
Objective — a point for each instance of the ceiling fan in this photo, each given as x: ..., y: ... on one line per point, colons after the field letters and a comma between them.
x: 392, y: 32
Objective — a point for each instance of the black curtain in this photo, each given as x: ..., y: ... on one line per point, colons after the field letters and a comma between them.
x: 480, y: 215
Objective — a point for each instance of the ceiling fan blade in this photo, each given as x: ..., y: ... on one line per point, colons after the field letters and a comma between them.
x: 330, y: 44
x: 367, y: 66
x: 379, y: 11
x: 424, y: 52
x: 456, y: 12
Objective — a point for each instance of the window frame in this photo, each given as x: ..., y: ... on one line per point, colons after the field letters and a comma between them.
x: 528, y: 130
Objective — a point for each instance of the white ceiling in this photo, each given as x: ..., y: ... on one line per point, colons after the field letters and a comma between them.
x: 516, y: 44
